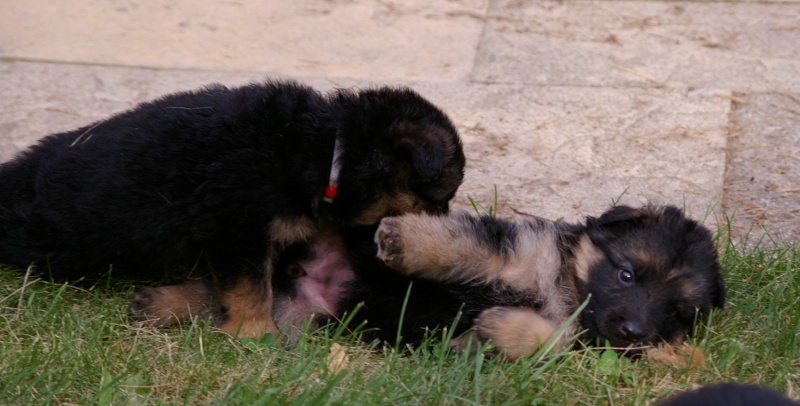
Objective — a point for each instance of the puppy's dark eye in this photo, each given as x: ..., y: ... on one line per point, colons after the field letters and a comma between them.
x: 625, y: 276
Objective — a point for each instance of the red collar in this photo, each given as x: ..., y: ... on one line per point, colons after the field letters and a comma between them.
x: 336, y: 166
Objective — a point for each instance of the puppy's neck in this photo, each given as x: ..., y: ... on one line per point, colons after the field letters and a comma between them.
x: 578, y: 253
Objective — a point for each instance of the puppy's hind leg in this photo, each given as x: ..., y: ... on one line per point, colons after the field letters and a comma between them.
x: 516, y: 331
x: 246, y: 308
x: 247, y: 303
x: 242, y: 309
x: 172, y: 304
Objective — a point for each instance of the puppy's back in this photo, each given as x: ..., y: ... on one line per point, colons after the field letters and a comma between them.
x: 149, y: 185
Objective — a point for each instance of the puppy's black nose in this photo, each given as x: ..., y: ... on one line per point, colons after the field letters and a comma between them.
x: 632, y: 331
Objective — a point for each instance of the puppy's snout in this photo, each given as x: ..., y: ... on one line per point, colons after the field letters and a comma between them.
x: 632, y: 331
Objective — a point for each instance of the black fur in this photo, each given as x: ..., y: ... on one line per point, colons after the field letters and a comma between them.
x: 196, y: 181
x: 729, y: 394
x: 654, y: 306
x: 206, y: 172
x: 150, y: 189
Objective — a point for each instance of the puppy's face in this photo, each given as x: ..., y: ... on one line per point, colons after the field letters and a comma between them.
x: 402, y: 155
x: 657, y: 274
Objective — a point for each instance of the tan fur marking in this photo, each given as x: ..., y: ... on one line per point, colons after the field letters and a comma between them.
x: 171, y: 304
x: 586, y: 255
x: 535, y: 261
x: 536, y: 266
x: 647, y: 257
x: 286, y: 230
x: 677, y: 356
x: 248, y: 310
x: 517, y: 332
x: 443, y: 248
x: 398, y: 204
x: 689, y: 291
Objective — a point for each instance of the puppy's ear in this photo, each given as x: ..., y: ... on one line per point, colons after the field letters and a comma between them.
x: 626, y: 215
x: 620, y: 218
x: 615, y: 222
x: 424, y: 146
x: 620, y: 214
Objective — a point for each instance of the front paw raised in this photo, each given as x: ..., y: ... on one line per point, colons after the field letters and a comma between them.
x: 390, y: 243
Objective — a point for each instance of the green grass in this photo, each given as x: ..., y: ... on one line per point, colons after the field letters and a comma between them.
x: 65, y: 345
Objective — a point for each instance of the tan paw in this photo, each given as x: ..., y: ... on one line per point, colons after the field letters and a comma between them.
x: 149, y: 306
x: 169, y: 305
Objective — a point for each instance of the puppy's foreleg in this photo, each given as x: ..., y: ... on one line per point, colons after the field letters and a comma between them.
x: 463, y: 248
x: 443, y: 248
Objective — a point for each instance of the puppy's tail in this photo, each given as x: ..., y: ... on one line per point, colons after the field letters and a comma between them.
x: 17, y: 181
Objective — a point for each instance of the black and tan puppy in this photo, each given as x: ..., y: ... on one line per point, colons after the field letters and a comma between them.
x: 651, y: 273
x: 216, y: 183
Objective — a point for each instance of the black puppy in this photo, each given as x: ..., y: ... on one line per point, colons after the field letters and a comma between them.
x: 215, y: 183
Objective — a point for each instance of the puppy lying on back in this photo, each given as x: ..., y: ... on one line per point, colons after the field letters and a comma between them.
x: 216, y: 183
x: 650, y: 271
